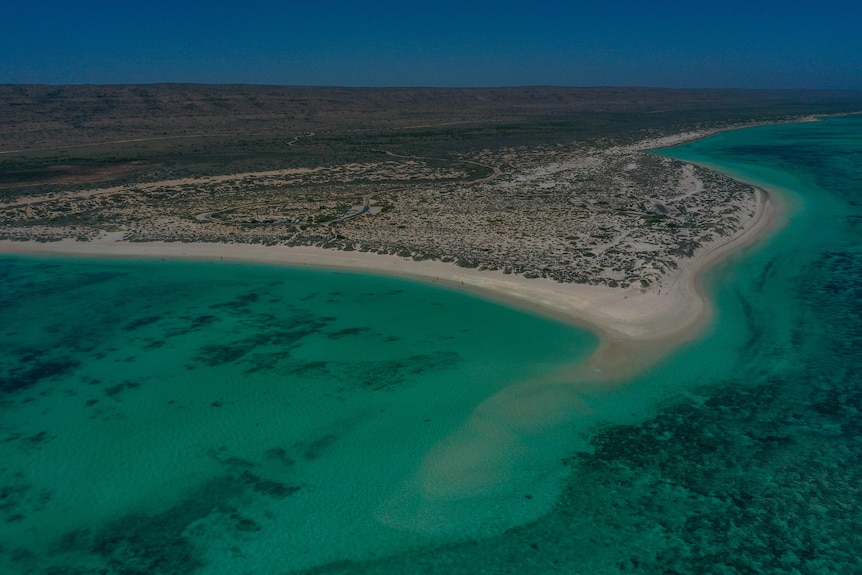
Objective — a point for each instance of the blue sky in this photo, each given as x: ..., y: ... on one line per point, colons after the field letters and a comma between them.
x: 598, y: 43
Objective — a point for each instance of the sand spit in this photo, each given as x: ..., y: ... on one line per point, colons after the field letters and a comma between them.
x: 479, y: 473
x: 651, y: 318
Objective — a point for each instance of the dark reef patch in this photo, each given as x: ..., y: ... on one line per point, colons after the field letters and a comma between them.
x: 350, y: 331
x: 17, y: 499
x: 37, y: 438
x: 281, y: 455
x: 388, y: 374
x: 190, y: 325
x: 265, y: 349
x: 141, y: 322
x: 219, y: 354
x: 238, y: 303
x: 312, y: 450
x: 164, y: 543
x: 203, y: 321
x: 115, y: 390
x: 308, y: 368
x: 152, y: 344
x: 268, y: 487
x: 230, y: 461
x: 139, y: 543
x: 32, y: 367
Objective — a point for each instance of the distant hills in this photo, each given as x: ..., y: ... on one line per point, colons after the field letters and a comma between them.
x: 35, y: 115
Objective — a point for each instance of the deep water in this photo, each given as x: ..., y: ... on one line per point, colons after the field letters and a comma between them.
x: 175, y: 417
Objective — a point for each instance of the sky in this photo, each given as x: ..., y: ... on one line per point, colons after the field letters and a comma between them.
x: 663, y: 43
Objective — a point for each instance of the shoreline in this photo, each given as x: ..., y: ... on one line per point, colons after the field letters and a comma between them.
x: 635, y: 328
x: 477, y: 460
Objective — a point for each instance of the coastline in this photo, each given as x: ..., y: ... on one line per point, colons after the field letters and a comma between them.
x: 483, y: 458
x: 635, y: 327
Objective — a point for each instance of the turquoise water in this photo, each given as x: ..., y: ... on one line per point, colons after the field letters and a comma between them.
x: 175, y: 416
x: 201, y: 418
x: 741, y: 453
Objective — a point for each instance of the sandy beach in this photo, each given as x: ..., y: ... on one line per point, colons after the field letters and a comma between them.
x: 636, y: 326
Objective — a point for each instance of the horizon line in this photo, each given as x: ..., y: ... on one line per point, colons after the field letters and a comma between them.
x: 432, y: 87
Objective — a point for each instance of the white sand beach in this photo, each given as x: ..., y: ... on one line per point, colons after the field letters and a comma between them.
x: 635, y: 325
x: 484, y: 458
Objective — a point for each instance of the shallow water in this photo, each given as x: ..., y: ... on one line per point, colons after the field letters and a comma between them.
x: 742, y: 453
x: 309, y: 437
x: 232, y: 417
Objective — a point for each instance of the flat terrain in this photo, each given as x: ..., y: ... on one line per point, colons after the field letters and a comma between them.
x: 543, y: 182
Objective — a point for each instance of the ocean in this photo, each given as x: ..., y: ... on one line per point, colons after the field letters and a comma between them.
x: 201, y: 417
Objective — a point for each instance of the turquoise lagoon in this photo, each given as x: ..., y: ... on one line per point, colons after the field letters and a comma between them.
x: 177, y: 417
x: 169, y: 416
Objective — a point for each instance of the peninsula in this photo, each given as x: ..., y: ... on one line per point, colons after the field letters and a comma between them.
x: 545, y: 197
